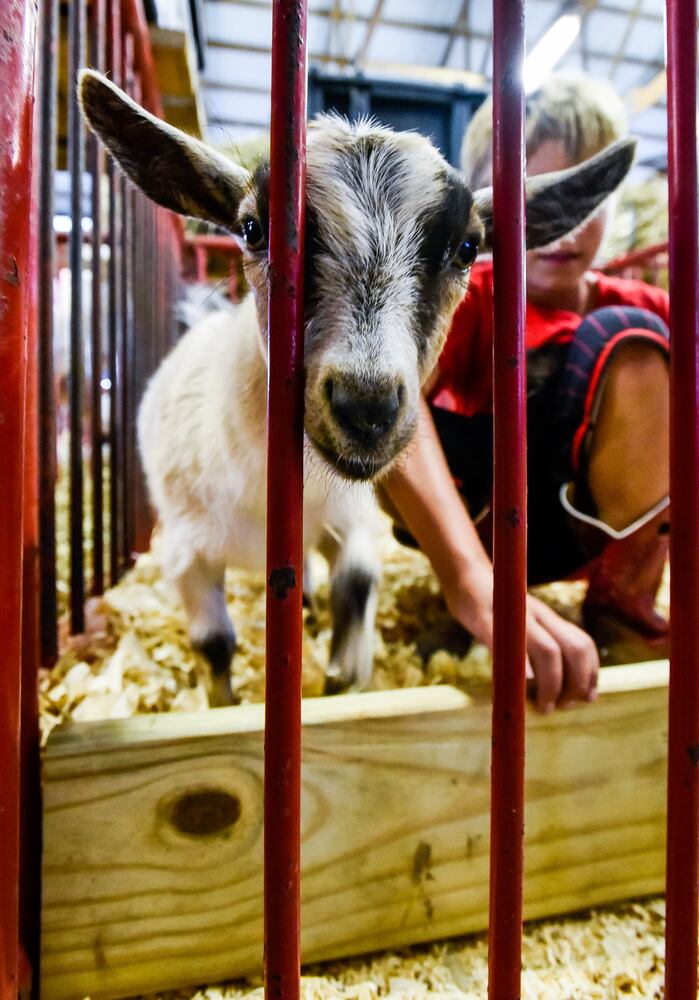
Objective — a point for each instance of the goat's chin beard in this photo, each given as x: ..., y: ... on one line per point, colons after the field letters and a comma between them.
x: 351, y: 467
x: 360, y: 468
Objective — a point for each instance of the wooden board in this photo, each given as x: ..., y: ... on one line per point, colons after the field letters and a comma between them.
x: 178, y: 79
x: 153, y: 829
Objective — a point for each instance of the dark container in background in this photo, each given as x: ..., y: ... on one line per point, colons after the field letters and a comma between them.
x: 441, y: 113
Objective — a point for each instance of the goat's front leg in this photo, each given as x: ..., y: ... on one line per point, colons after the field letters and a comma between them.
x: 354, y: 579
x: 200, y: 585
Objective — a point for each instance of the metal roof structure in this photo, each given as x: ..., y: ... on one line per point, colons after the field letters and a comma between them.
x: 440, y: 41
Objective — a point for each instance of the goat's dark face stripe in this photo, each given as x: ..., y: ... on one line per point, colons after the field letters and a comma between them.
x: 443, y: 230
x: 385, y: 217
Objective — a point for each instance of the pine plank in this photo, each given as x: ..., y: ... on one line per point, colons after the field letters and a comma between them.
x: 395, y: 829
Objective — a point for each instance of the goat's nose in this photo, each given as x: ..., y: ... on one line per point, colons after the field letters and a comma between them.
x: 364, y: 415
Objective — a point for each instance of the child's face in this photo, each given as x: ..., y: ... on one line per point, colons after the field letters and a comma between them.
x: 560, y: 268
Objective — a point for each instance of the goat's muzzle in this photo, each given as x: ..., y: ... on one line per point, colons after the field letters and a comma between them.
x: 365, y: 423
x: 364, y: 413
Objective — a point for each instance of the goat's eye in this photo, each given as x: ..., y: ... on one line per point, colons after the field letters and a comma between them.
x: 466, y: 254
x: 253, y: 234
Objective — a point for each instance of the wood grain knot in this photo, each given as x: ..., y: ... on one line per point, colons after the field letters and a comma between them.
x: 205, y: 813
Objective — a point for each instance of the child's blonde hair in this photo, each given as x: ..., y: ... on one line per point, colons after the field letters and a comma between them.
x: 586, y: 114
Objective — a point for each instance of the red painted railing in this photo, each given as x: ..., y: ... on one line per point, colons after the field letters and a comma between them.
x: 282, y: 808
x: 18, y: 24
x: 28, y: 151
x: 509, y: 507
x: 145, y: 246
x: 683, y: 749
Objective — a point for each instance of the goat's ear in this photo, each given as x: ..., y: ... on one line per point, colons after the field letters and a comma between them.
x: 174, y: 169
x: 559, y: 202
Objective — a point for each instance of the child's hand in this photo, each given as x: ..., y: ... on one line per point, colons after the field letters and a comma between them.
x: 562, y: 660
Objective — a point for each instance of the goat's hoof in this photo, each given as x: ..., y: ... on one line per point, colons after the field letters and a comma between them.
x: 221, y: 693
x: 335, y: 681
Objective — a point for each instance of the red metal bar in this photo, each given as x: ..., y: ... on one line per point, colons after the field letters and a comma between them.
x: 282, y: 825
x: 96, y: 165
x: 509, y: 507
x: 201, y: 261
x: 47, y: 402
x: 128, y: 333
x: 683, y: 750
x: 76, y: 167
x: 30, y: 802
x: 115, y: 318
x: 18, y: 22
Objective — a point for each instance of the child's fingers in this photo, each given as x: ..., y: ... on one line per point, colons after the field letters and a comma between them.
x: 547, y: 661
x: 580, y: 657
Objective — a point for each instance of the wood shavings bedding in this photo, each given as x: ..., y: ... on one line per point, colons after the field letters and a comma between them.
x: 603, y: 955
x: 135, y: 656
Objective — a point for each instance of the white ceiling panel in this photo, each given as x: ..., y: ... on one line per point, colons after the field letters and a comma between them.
x: 482, y: 56
x: 653, y: 121
x: 319, y: 34
x: 228, y: 135
x: 628, y: 76
x: 458, y: 57
x: 538, y: 17
x: 650, y: 149
x: 481, y: 17
x: 441, y: 12
x: 237, y: 106
x: 405, y: 45
x: 605, y: 31
x: 645, y: 40
x: 238, y: 23
x: 246, y: 68
x: 600, y: 67
x: 571, y: 62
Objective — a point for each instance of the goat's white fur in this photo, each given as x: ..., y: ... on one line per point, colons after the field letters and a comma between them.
x: 202, y: 435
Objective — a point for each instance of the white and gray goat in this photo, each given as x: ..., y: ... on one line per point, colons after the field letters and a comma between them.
x: 391, y: 232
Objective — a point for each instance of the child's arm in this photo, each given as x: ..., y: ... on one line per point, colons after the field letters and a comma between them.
x: 563, y: 657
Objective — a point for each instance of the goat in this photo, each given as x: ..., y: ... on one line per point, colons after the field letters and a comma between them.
x: 391, y: 232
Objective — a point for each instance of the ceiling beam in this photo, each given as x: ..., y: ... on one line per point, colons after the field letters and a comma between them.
x: 589, y: 6
x: 360, y: 55
x: 623, y: 44
x: 245, y: 88
x: 460, y: 28
x: 215, y: 43
x: 606, y: 6
x: 646, y: 96
x: 234, y: 123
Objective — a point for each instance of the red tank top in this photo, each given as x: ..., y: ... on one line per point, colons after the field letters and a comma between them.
x: 465, y: 368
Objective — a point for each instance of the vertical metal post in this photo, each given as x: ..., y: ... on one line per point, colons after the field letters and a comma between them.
x: 30, y: 780
x: 48, y: 78
x: 76, y: 167
x: 126, y: 347
x: 115, y: 317
x: 282, y: 812
x: 509, y: 507
x: 683, y: 751
x: 96, y: 166
x: 18, y: 19
x: 142, y: 347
